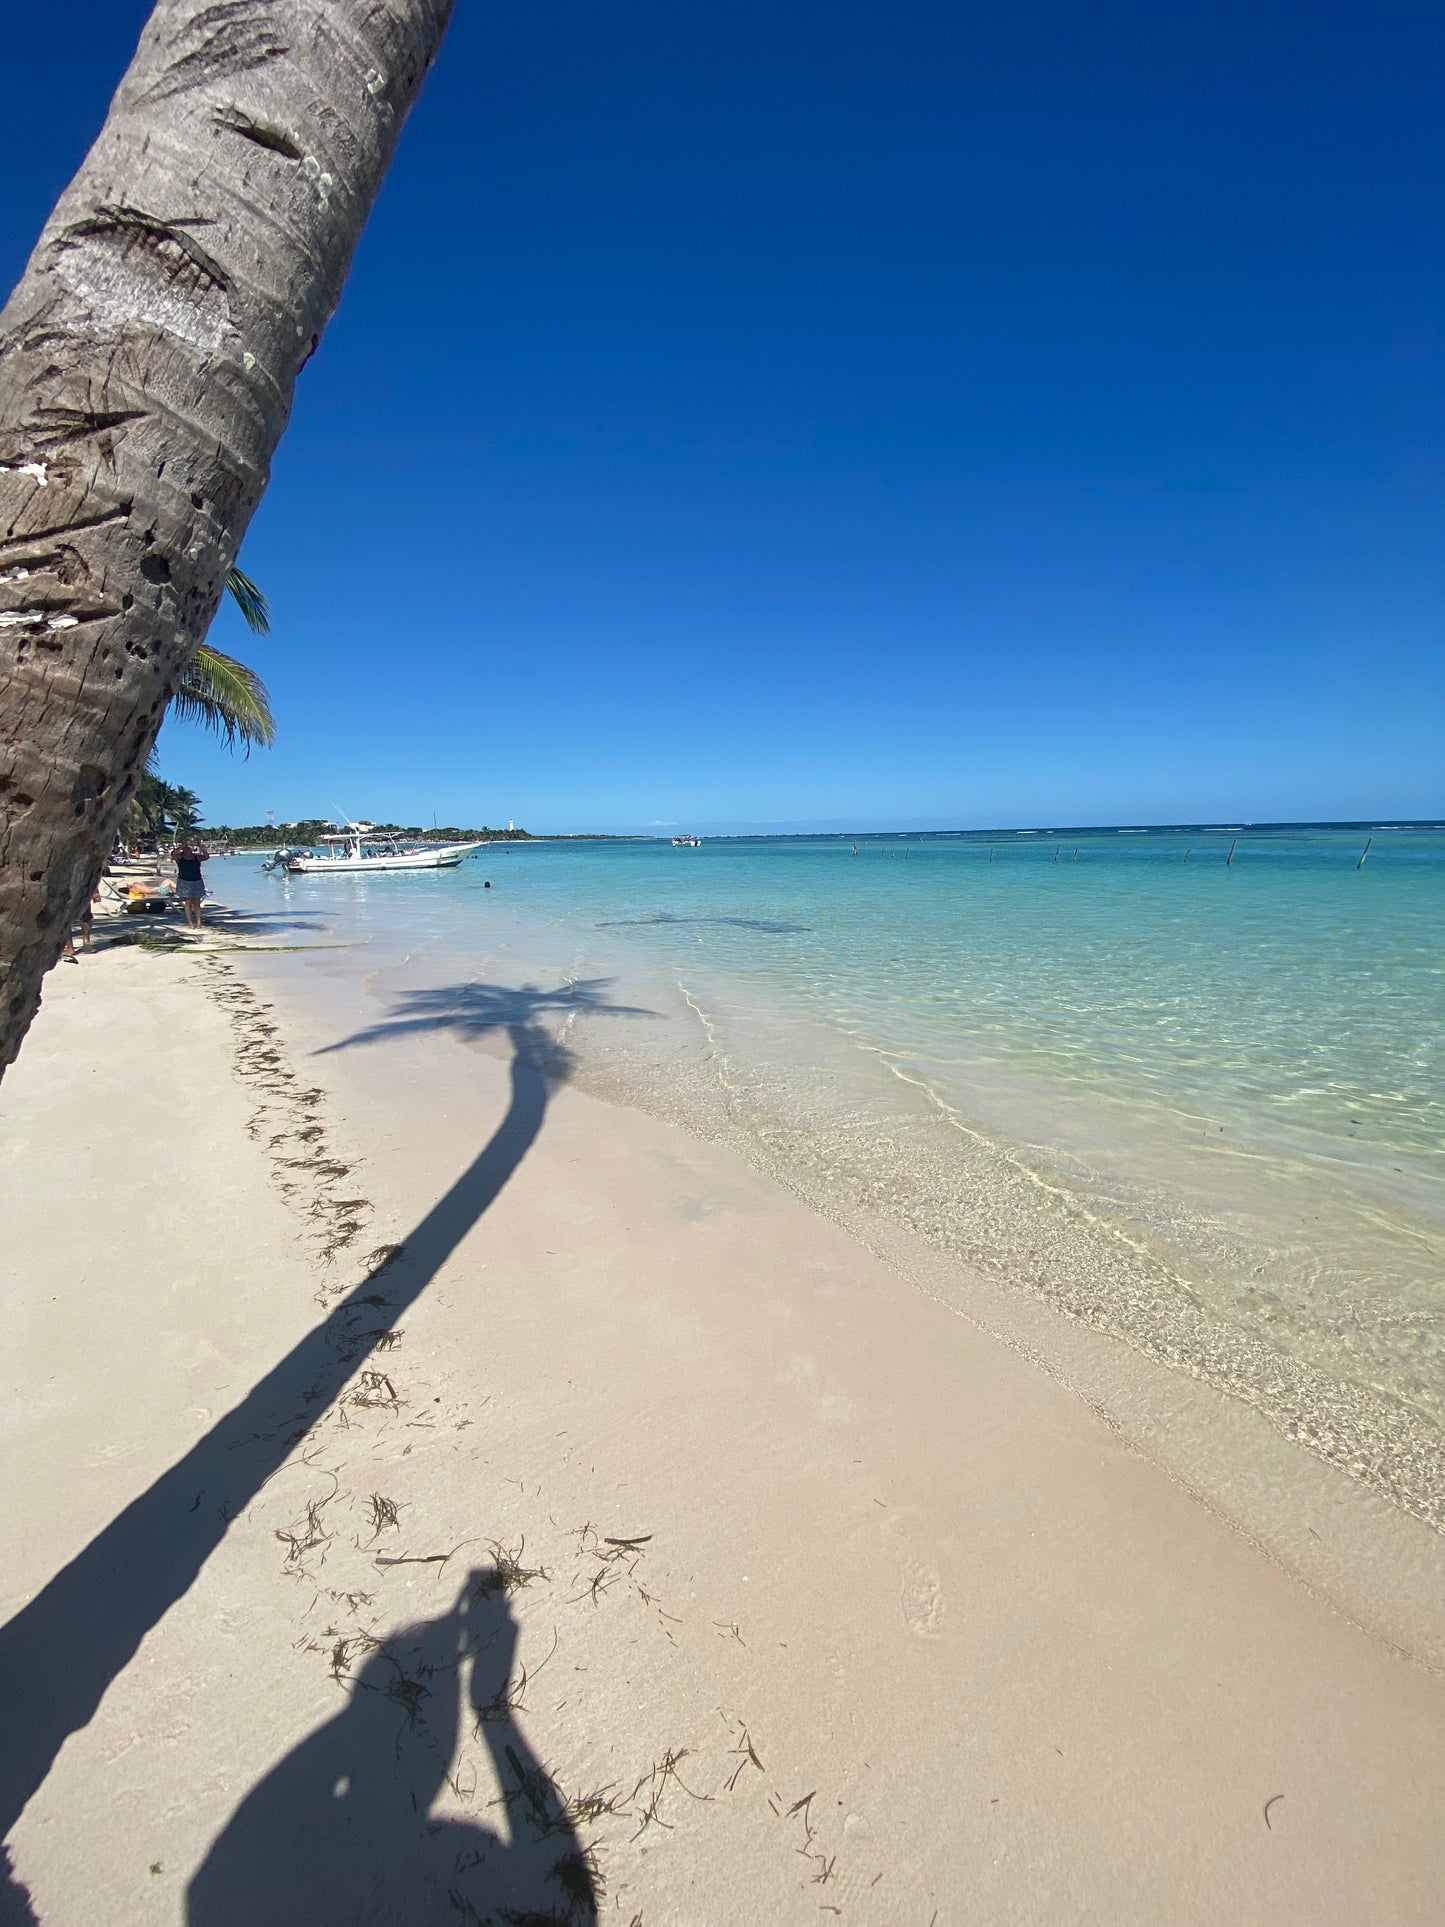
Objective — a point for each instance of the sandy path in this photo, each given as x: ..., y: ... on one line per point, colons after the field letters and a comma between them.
x: 842, y: 1608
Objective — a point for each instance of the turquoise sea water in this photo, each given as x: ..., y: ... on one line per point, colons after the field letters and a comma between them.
x: 1198, y: 1103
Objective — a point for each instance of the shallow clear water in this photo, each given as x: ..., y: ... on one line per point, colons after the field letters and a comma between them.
x: 1139, y: 1076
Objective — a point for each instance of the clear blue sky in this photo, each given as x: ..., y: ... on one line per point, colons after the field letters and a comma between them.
x: 750, y: 414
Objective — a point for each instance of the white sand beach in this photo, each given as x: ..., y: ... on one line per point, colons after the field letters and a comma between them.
x: 827, y: 1602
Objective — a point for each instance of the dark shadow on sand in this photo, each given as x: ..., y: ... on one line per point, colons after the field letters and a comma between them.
x: 482, y: 1010
x: 342, y: 1830
x: 168, y: 931
x: 219, y: 917
x: 60, y: 1653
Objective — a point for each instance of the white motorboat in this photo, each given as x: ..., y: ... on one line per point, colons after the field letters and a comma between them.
x: 687, y: 843
x: 359, y: 848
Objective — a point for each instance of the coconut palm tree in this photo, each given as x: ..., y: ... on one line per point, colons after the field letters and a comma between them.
x: 147, y: 819
x: 223, y: 694
x: 227, y: 697
x: 147, y: 364
x: 185, y: 812
x: 254, y: 607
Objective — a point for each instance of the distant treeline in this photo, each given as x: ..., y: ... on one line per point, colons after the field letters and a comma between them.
x: 268, y: 836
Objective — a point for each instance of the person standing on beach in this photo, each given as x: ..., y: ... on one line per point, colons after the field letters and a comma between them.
x: 87, y: 924
x: 190, y: 880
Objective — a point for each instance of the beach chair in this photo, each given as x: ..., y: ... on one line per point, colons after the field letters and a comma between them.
x: 149, y: 899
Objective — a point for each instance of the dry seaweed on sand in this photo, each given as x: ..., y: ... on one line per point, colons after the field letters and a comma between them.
x: 508, y: 1574
x: 746, y: 1756
x: 346, y: 1649
x: 648, y: 1794
x: 510, y: 1696
x: 309, y: 1534
x: 383, y: 1514
x: 407, y: 1692
x: 587, y: 1808
x: 374, y: 1388
x: 534, y: 1791
x: 580, y: 1877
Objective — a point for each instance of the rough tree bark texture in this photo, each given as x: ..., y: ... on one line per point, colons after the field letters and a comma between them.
x: 147, y: 361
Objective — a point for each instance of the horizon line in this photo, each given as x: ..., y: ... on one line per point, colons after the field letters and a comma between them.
x: 1199, y: 827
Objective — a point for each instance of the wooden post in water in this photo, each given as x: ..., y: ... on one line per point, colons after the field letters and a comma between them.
x: 1232, y: 848
x: 1364, y: 853
x: 1187, y: 853
x: 1076, y: 856
x: 1057, y: 848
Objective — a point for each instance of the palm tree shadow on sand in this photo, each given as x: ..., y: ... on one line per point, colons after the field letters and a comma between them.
x: 520, y: 1013
x: 341, y: 1832
x: 60, y: 1653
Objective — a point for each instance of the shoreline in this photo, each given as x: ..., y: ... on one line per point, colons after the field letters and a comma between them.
x: 843, y: 1543
x: 1300, y: 1477
x: 847, y: 1126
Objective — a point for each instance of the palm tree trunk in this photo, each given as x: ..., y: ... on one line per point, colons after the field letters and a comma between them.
x: 147, y: 362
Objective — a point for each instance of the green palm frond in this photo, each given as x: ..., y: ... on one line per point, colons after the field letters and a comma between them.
x: 250, y: 601
x: 146, y: 816
x: 227, y: 697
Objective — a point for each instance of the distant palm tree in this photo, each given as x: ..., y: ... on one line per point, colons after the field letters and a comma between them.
x: 158, y: 809
x: 185, y: 812
x: 146, y: 818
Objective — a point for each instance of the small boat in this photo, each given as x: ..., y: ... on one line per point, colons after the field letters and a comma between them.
x: 687, y: 843
x: 360, y: 848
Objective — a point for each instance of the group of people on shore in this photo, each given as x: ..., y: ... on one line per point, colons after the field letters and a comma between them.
x: 188, y: 858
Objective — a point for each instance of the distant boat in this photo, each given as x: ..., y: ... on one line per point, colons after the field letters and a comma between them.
x: 687, y: 842
x: 358, y: 848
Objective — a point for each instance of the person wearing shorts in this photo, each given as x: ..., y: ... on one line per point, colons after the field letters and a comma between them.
x: 190, y: 880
